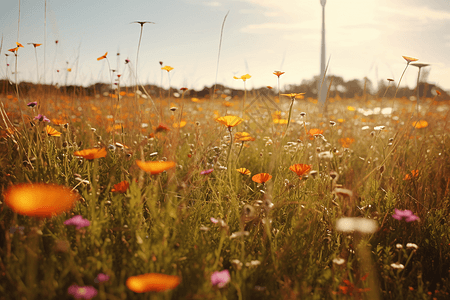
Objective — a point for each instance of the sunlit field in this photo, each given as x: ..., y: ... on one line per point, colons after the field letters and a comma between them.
x: 262, y: 195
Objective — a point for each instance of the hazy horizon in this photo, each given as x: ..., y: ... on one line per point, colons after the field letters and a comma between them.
x: 363, y: 39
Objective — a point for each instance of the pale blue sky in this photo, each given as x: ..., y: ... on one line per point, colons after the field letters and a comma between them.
x: 364, y: 38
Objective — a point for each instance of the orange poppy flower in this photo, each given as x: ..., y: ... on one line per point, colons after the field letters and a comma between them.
x: 420, y: 124
x: 13, y: 49
x: 244, y: 171
x: 36, y: 45
x: 155, y: 167
x: 278, y: 73
x: 52, y: 131
x: 228, y: 104
x: 121, y: 187
x: 243, y: 77
x: 19, y: 45
x: 261, y: 177
x: 103, y: 56
x: 300, y: 169
x: 167, y: 68
x: 414, y: 173
x: 230, y: 121
x: 346, y: 142
x: 410, y: 59
x: 91, y: 154
x: 243, y: 137
x: 40, y: 199
x: 313, y: 132
x: 152, y: 282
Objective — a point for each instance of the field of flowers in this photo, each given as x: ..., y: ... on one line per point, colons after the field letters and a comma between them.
x: 128, y: 196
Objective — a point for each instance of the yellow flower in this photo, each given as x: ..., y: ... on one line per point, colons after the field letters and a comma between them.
x: 294, y: 95
x: 52, y: 131
x: 420, y: 124
x: 243, y: 77
x: 243, y: 137
x: 244, y: 171
x: 167, y: 68
x: 410, y: 59
x: 230, y: 121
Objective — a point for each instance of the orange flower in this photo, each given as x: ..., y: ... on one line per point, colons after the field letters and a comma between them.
x: 243, y: 137
x: 52, y: 131
x: 161, y: 127
x: 346, y: 142
x: 91, y: 154
x: 40, y: 199
x: 19, y: 45
x: 420, y: 124
x: 13, y: 49
x: 121, y: 187
x: 261, y: 177
x: 36, y: 45
x: 103, y: 56
x: 313, y: 132
x: 155, y: 167
x: 278, y: 73
x: 244, y: 171
x: 300, y: 169
x: 179, y: 125
x: 409, y: 59
x: 414, y: 173
x: 230, y: 121
x: 152, y: 282
x: 243, y: 77
x: 167, y: 68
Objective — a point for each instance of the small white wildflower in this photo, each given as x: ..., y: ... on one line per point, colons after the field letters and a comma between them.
x: 153, y: 153
x: 365, y: 128
x: 339, y: 261
x: 397, y: 266
x: 253, y: 263
x: 173, y: 108
x: 144, y: 125
x: 239, y: 234
x: 412, y: 246
x: 325, y: 155
x: 379, y: 128
x: 237, y: 263
x: 204, y: 228
x: 362, y: 225
x: 399, y: 246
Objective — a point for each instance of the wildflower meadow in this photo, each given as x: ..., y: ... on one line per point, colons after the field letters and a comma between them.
x: 140, y: 193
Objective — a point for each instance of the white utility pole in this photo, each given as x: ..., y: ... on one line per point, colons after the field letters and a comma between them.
x: 322, y: 88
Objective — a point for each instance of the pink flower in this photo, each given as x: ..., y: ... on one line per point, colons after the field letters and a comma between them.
x: 214, y: 220
x: 32, y: 104
x: 77, y: 221
x: 42, y: 118
x: 407, y: 214
x: 101, y: 278
x: 205, y: 172
x: 220, y: 278
x: 82, y: 292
